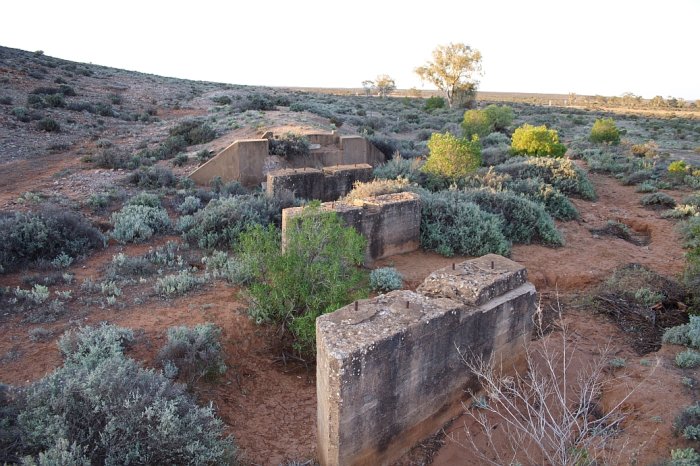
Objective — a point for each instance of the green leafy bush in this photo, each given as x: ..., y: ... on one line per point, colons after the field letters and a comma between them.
x: 476, y: 123
x: 193, y: 132
x: 605, y: 130
x: 318, y: 272
x: 537, y: 141
x: 501, y: 117
x: 136, y: 223
x: 193, y: 353
x: 451, y: 224
x: 684, y: 457
x: 220, y: 223
x: 687, y: 423
x: 28, y: 237
x: 434, y: 103
x: 385, y: 279
x: 685, y: 334
x: 289, y: 146
x: 451, y: 157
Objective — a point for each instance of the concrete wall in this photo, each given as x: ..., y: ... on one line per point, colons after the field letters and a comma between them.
x: 388, y: 372
x: 391, y: 223
x: 242, y: 161
x: 327, y: 184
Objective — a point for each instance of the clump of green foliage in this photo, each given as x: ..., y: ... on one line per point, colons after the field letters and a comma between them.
x: 385, y: 279
x: 102, y: 407
x: 555, y: 203
x: 178, y: 283
x: 687, y: 423
x: 192, y: 353
x: 563, y: 174
x: 537, y: 141
x: 491, y: 119
x: 657, y: 199
x: 318, y: 272
x: 193, y: 132
x: 28, y: 237
x: 434, y: 103
x: 452, y: 224
x: 289, y: 146
x: 605, y: 130
x: 451, y: 157
x: 377, y: 188
x: 399, y: 167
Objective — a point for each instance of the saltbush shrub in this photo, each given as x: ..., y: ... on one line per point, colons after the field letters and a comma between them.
x: 178, y: 283
x: 89, y: 346
x: 555, y: 203
x: 136, y: 223
x: 193, y: 352
x: 399, y: 167
x: 524, y: 221
x: 605, y: 130
x: 28, y: 237
x: 116, y: 412
x: 451, y: 224
x: 49, y: 125
x: 688, y: 359
x: 657, y: 199
x: 318, y: 272
x: 451, y: 157
x: 563, y: 174
x: 190, y: 205
x: 377, y: 188
x: 687, y: 423
x: 495, y: 139
x: 145, y: 199
x: 385, y: 279
x: 154, y: 178
x: 434, y: 103
x: 537, y: 141
x: 112, y: 158
x: 220, y: 223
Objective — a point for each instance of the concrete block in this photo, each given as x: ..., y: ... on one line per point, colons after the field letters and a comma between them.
x: 354, y: 149
x: 389, y: 372
x: 305, y: 183
x: 242, y: 161
x: 340, y: 179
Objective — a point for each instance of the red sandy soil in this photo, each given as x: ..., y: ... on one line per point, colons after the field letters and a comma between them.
x: 270, y: 407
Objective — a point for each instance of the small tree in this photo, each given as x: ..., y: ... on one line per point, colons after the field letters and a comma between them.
x: 500, y: 117
x: 451, y: 157
x: 385, y: 85
x: 452, y: 70
x: 484, y: 122
x: 537, y: 141
x: 368, y: 85
x: 605, y: 130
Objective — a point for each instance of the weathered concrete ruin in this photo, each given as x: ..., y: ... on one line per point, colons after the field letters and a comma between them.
x: 326, y: 184
x: 244, y: 160
x: 389, y: 371
x: 391, y: 222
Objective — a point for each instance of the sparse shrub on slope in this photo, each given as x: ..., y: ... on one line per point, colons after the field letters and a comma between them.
x: 193, y: 132
x: 153, y: 178
x: 537, y: 141
x: 317, y: 273
x: 451, y: 224
x: 27, y: 237
x: 563, y: 174
x: 605, y: 130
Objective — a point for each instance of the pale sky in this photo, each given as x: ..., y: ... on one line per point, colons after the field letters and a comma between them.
x: 589, y: 47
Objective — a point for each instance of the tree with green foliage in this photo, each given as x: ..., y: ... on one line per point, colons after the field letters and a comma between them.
x: 483, y: 122
x: 452, y: 70
x: 537, y: 141
x: 605, y: 130
x: 317, y: 272
x: 452, y: 157
x: 385, y: 85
